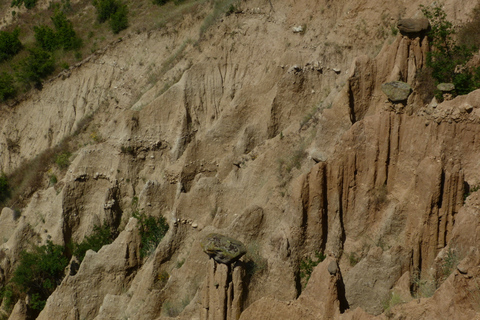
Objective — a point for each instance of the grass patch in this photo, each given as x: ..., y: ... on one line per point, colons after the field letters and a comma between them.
x: 306, y: 267
x: 220, y: 7
x: 152, y: 230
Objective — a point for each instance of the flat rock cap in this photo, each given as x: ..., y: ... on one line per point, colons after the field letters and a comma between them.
x: 413, y: 25
x: 223, y: 249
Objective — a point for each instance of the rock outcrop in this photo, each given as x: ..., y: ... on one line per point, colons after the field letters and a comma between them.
x: 223, y: 249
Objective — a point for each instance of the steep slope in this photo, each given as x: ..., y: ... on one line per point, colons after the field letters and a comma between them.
x: 280, y: 139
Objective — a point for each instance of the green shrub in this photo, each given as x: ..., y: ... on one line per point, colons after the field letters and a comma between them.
x: 29, y: 4
x: 152, y: 230
x: 45, y: 37
x: 307, y: 265
x: 63, y: 159
x: 65, y: 35
x: 39, y: 272
x: 4, y: 188
x: 36, y: 66
x: 447, y: 55
x: 10, y: 45
x: 119, y: 20
x: 160, y: 2
x: 7, y: 86
x: 102, y: 235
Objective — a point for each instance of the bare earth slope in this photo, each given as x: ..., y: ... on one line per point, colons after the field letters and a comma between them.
x: 280, y: 139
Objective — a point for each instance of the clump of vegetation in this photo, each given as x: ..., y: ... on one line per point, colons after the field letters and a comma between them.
x: 39, y: 273
x: 29, y: 4
x: 101, y: 236
x: 4, y: 187
x: 10, y: 45
x: 36, y: 66
x: 63, y: 159
x: 152, y: 230
x: 450, y: 262
x: 63, y: 37
x: 220, y: 7
x: 114, y: 11
x: 7, y: 86
x: 307, y: 265
x: 254, y: 262
x: 448, y: 58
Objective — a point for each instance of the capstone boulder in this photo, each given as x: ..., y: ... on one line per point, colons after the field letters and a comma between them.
x: 397, y: 91
x: 412, y: 25
x: 223, y: 249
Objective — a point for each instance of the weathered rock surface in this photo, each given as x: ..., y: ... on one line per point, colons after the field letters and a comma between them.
x: 223, y: 249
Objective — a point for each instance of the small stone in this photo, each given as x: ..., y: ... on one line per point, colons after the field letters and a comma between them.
x: 297, y: 29
x: 336, y: 70
x: 194, y: 225
x: 446, y: 87
x: 333, y: 268
x: 462, y: 269
x: 468, y: 108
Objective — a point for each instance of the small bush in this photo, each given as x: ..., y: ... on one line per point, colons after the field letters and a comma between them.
x: 10, y: 45
x: 101, y: 236
x: 4, y: 188
x: 45, y: 37
x: 152, y: 230
x: 63, y: 159
x: 38, y: 65
x: 29, y: 4
x: 7, y: 86
x: 39, y: 272
x: 448, y: 55
x: 119, y: 20
x: 65, y: 35
x: 307, y: 265
x: 450, y: 262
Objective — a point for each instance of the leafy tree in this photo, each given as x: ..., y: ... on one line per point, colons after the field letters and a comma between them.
x: 39, y: 272
x: 35, y: 67
x: 101, y: 236
x: 7, y: 90
x: 448, y: 59
x: 29, y: 4
x: 9, y: 44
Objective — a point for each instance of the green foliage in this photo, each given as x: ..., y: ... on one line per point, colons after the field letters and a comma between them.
x: 10, y: 45
x: 114, y: 11
x: 450, y: 262
x: 448, y: 59
x: 307, y: 265
x: 4, y: 187
x: 29, y: 4
x: 63, y: 37
x: 119, y: 20
x: 152, y: 230
x: 7, y: 86
x: 39, y: 272
x: 63, y: 159
x: 7, y: 297
x: 45, y: 37
x: 35, y: 67
x: 160, y: 2
x: 102, y: 235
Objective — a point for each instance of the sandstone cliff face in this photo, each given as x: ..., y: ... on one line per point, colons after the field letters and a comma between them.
x: 281, y: 140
